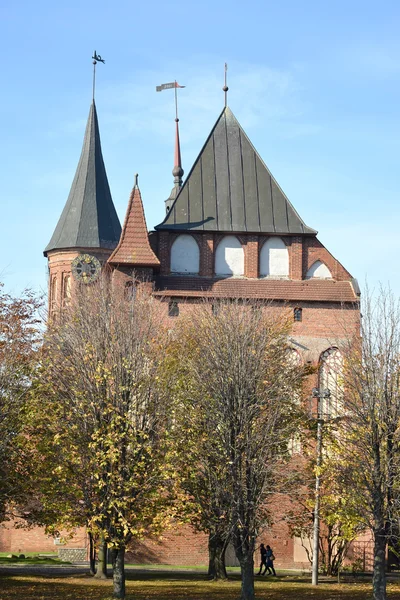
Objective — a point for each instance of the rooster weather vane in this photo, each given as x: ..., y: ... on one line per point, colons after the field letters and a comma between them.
x: 96, y: 58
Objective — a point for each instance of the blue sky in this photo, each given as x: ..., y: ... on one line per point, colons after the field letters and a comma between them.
x: 316, y: 86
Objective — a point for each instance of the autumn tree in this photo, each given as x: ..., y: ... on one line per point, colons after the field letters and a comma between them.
x: 368, y: 442
x: 101, y: 372
x: 20, y: 336
x: 240, y: 407
x: 203, y: 474
x: 338, y: 510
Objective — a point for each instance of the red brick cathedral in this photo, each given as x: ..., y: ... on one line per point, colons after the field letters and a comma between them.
x: 229, y: 232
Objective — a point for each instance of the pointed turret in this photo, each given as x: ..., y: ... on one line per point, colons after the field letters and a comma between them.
x: 134, y: 249
x: 177, y: 171
x: 89, y: 218
x: 229, y: 188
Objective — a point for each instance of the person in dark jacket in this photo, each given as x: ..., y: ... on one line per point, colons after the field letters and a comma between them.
x: 263, y: 556
x: 269, y: 565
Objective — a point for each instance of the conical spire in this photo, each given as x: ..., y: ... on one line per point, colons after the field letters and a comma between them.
x: 177, y: 171
x: 134, y: 248
x: 89, y: 219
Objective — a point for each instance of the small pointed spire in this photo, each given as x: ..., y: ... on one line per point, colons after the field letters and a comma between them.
x: 134, y: 247
x: 177, y: 171
x: 225, y: 88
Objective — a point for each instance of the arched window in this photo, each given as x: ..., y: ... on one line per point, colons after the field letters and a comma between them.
x: 185, y: 255
x: 294, y: 361
x: 318, y: 271
x: 293, y: 358
x: 53, y: 290
x: 66, y: 289
x: 229, y: 257
x: 274, y: 258
x: 331, y: 378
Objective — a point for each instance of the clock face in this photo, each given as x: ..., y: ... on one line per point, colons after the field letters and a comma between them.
x: 86, y: 268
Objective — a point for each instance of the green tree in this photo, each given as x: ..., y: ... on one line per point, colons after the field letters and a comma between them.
x: 20, y: 338
x: 240, y: 409
x: 339, y: 516
x: 368, y: 442
x: 109, y: 436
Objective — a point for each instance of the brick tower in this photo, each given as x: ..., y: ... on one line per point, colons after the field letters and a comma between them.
x: 88, y: 229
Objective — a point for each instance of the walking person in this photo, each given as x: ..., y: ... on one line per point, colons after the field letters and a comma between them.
x: 263, y: 556
x: 269, y: 565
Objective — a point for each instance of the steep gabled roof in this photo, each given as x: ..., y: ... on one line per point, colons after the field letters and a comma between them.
x: 89, y: 218
x: 231, y: 189
x: 134, y: 248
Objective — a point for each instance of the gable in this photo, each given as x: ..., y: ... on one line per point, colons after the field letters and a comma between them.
x: 231, y: 189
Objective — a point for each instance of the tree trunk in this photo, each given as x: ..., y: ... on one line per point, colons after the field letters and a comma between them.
x: 216, y: 554
x: 101, y: 572
x: 119, y: 574
x: 92, y: 555
x: 379, y: 575
x: 247, y: 572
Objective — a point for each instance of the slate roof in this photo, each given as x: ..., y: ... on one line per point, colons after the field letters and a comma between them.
x: 263, y: 289
x: 134, y: 247
x: 89, y: 218
x: 231, y: 189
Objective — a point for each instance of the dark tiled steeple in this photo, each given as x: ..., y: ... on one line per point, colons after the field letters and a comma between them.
x: 89, y: 219
x: 231, y: 189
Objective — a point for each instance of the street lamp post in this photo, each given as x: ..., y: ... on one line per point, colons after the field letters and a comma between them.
x: 317, y: 393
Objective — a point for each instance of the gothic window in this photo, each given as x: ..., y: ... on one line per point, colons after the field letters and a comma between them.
x: 318, y: 271
x: 298, y: 314
x: 185, y: 255
x: 173, y: 308
x: 215, y: 308
x: 129, y: 290
x: 294, y: 361
x: 229, y: 257
x: 293, y: 358
x: 331, y: 378
x: 274, y: 259
x: 66, y: 289
x: 53, y: 291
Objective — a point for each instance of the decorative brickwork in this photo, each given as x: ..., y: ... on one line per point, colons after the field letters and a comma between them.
x: 207, y: 255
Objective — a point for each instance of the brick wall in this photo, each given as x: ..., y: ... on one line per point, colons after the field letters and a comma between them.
x: 15, y: 539
x: 303, y: 253
x: 322, y: 325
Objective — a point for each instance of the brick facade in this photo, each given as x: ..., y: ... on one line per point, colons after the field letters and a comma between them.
x: 244, y: 196
x: 329, y: 311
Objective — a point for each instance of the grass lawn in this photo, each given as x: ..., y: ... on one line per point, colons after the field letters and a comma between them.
x: 182, y: 587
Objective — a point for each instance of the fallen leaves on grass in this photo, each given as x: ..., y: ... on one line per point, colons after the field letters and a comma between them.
x: 87, y: 588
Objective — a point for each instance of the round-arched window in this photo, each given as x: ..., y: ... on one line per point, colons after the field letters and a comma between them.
x: 185, y: 255
x: 229, y: 257
x: 318, y: 271
x: 331, y: 378
x: 274, y: 259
